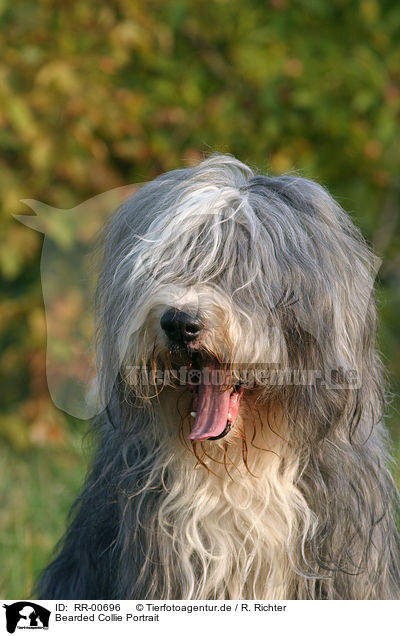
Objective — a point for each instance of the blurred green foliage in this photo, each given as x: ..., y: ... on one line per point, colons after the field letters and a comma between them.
x: 95, y: 94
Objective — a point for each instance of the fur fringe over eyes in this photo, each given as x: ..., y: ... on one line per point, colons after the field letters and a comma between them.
x: 293, y: 499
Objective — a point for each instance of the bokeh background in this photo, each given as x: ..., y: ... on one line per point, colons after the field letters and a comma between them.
x: 98, y: 94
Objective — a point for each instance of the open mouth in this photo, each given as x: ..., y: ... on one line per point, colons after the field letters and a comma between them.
x: 216, y: 399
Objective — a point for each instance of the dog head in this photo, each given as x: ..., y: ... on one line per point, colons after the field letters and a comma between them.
x: 227, y: 275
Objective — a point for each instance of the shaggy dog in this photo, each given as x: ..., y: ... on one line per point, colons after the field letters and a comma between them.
x: 242, y: 451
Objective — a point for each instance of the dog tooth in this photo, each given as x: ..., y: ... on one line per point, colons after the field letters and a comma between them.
x: 193, y: 413
x: 229, y: 417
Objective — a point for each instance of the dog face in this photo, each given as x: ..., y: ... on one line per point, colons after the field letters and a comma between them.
x: 221, y: 272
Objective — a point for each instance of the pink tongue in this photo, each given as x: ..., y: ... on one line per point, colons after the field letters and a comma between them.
x: 212, y: 412
x: 212, y: 404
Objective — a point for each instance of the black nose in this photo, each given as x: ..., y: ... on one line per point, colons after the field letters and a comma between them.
x: 180, y: 327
